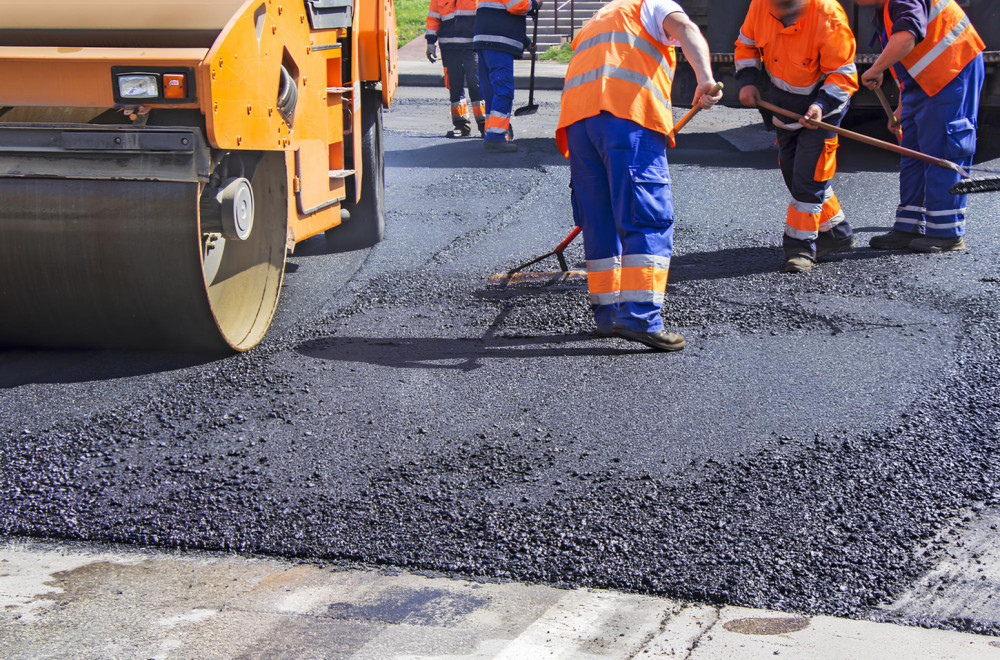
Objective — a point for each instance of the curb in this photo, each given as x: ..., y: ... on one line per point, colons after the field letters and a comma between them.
x: 548, y: 75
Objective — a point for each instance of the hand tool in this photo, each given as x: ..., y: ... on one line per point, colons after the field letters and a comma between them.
x: 565, y: 273
x: 896, y: 129
x: 969, y: 185
x: 532, y: 107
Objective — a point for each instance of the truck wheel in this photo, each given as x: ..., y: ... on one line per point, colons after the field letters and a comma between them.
x: 366, y: 224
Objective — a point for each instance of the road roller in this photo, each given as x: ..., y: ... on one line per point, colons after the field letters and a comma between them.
x: 160, y: 158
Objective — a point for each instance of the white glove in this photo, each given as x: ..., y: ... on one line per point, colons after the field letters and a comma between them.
x: 432, y: 52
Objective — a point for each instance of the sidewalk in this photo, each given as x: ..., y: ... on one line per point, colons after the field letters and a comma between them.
x: 416, y: 71
x: 73, y: 601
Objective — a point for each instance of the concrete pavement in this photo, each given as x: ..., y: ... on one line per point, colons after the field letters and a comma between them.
x: 75, y: 601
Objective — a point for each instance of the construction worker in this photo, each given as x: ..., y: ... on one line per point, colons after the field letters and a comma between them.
x: 614, y: 126
x: 936, y: 56
x: 450, y: 24
x: 807, y: 49
x: 500, y: 38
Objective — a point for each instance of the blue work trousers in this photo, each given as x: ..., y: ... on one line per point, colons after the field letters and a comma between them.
x: 496, y: 83
x: 943, y: 125
x: 623, y: 203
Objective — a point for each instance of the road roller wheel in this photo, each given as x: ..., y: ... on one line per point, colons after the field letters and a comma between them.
x: 366, y: 224
x: 126, y: 263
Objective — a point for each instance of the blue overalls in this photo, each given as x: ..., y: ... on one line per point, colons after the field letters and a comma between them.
x: 622, y: 201
x: 943, y: 125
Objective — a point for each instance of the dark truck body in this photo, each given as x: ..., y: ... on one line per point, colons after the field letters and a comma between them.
x: 720, y: 22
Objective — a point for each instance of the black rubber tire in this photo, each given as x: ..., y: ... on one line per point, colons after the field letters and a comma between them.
x: 366, y: 226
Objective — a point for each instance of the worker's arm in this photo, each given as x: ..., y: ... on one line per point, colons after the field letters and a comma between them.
x: 522, y: 7
x: 682, y: 29
x: 899, y: 46
x: 433, y: 25
x: 748, y: 61
x: 836, y: 61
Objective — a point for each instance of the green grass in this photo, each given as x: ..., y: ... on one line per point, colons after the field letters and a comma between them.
x: 411, y: 19
x: 558, y: 53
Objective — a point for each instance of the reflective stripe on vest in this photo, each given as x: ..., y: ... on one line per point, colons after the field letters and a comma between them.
x: 951, y: 43
x: 620, y: 68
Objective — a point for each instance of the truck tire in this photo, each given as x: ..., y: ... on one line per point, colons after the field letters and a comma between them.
x: 366, y: 225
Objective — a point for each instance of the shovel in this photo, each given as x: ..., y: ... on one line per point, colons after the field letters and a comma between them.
x: 896, y: 129
x: 532, y: 107
x: 968, y: 185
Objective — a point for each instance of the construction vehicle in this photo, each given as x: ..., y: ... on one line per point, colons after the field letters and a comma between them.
x: 159, y: 159
x: 720, y: 22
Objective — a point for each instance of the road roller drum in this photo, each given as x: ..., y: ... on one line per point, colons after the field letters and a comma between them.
x: 158, y: 161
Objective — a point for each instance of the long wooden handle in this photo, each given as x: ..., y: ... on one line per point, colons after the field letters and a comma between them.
x: 889, y: 113
x: 874, y: 142
x: 694, y: 110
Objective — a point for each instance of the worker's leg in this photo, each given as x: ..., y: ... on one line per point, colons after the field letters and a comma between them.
x: 948, y: 129
x: 500, y: 68
x: 470, y: 63
x: 814, y: 206
x: 636, y: 162
x: 485, y: 89
x: 593, y: 213
x: 912, y: 172
x: 455, y: 79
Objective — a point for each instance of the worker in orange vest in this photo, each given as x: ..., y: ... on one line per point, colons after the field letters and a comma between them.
x: 937, y: 56
x: 614, y: 126
x: 450, y: 24
x: 807, y: 49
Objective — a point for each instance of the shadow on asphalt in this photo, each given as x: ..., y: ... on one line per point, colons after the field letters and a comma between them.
x: 458, y: 354
x: 747, y: 261
x: 34, y: 367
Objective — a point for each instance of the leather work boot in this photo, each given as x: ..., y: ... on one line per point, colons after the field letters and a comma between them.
x: 605, y: 334
x: 797, y: 263
x: 506, y: 147
x: 929, y: 244
x: 826, y: 245
x: 661, y: 340
x: 893, y: 240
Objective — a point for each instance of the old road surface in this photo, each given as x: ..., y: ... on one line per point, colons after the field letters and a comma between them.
x: 828, y: 443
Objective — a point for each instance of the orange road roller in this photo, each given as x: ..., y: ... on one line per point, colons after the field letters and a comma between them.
x: 159, y: 159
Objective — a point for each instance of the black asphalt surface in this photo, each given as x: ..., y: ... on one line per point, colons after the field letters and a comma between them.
x: 803, y: 451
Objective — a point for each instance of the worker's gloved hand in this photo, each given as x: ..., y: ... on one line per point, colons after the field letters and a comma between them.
x: 432, y: 52
x: 703, y: 95
x: 815, y: 113
x: 872, y: 79
x: 895, y: 124
x: 750, y: 96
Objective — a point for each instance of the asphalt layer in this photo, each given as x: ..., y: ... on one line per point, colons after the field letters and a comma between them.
x: 813, y: 449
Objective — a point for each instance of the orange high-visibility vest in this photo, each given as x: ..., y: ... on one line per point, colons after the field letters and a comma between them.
x: 951, y: 43
x: 618, y: 67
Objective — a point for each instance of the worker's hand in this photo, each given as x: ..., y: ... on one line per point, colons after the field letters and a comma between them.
x: 702, y: 95
x: 895, y: 124
x: 815, y: 113
x: 750, y: 96
x: 872, y: 79
x: 432, y: 52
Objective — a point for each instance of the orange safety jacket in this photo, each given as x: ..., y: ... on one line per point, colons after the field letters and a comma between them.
x: 618, y: 67
x: 818, y: 47
x: 451, y: 22
x: 951, y: 43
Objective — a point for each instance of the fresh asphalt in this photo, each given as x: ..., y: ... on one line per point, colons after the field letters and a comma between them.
x: 821, y: 444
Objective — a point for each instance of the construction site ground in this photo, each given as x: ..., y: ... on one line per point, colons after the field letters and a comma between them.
x: 417, y: 463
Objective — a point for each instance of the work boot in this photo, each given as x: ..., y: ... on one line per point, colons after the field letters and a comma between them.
x: 481, y: 122
x: 605, y: 334
x: 893, y: 240
x: 506, y: 146
x: 798, y: 263
x: 930, y: 244
x: 826, y: 245
x: 661, y: 340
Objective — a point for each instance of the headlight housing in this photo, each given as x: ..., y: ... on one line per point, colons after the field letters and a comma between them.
x: 139, y: 86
